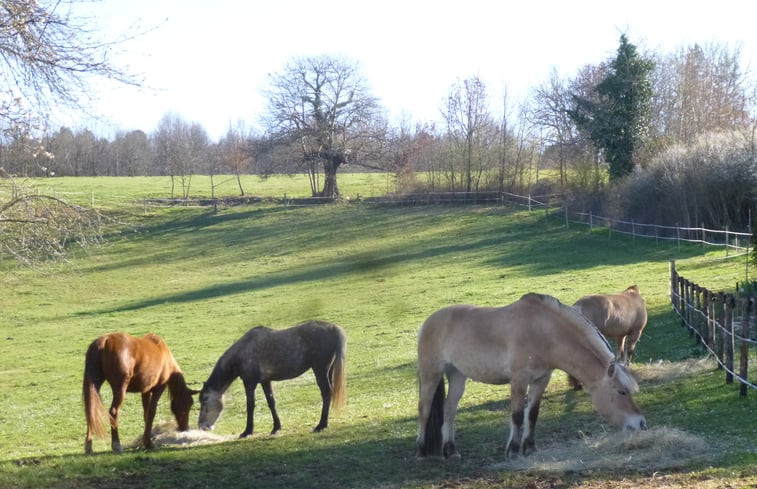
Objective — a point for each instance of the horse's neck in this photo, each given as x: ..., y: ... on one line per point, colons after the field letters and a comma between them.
x: 583, y: 363
x: 221, y: 377
x: 176, y: 383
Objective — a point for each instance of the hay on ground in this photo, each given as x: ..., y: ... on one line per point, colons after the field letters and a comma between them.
x: 165, y: 434
x: 665, y: 371
x: 653, y: 449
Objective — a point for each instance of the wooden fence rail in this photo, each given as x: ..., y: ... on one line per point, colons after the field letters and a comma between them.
x: 723, y: 323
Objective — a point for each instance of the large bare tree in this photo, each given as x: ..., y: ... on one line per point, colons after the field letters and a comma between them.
x: 322, y: 106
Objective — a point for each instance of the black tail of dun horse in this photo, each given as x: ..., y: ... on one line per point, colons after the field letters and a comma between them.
x: 433, y: 439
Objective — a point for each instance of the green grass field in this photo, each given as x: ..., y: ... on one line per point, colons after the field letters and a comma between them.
x: 201, y: 279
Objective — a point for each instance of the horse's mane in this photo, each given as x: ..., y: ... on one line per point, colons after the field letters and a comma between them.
x: 578, y: 322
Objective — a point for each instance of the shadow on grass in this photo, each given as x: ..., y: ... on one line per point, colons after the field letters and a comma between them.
x: 510, y: 245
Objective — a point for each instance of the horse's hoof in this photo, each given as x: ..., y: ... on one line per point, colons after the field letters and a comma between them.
x: 116, y: 447
x: 244, y: 435
x: 454, y: 458
x: 318, y: 429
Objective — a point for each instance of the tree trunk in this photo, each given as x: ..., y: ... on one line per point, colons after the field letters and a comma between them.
x: 239, y: 182
x: 330, y: 188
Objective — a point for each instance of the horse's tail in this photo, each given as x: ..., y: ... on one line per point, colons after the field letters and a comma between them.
x: 432, y: 443
x: 93, y: 379
x: 338, y: 374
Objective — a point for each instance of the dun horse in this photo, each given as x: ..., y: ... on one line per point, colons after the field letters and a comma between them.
x: 130, y: 364
x: 621, y: 316
x: 520, y: 344
x: 263, y: 355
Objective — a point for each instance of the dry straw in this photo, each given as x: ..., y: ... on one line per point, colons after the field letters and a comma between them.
x: 653, y: 449
x: 165, y: 434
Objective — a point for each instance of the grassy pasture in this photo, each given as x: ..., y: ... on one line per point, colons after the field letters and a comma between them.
x: 201, y: 280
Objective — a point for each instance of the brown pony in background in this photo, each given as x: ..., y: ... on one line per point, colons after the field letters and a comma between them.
x: 130, y: 364
x: 621, y: 316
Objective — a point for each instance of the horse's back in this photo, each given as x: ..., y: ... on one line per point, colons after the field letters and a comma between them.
x: 280, y: 354
x: 615, y: 314
x: 477, y: 341
x: 143, y: 362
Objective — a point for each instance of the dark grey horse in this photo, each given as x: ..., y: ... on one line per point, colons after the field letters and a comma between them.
x: 263, y: 355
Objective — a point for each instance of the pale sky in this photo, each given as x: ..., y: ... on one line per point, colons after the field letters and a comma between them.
x: 208, y: 61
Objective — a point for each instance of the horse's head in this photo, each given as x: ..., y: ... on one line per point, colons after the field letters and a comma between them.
x: 613, y: 399
x: 181, y: 404
x: 211, y: 405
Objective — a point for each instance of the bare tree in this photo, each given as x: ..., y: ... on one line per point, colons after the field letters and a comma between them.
x: 47, y: 57
x: 550, y: 105
x: 236, y: 152
x: 698, y: 90
x: 469, y: 125
x: 322, y: 106
x: 180, y: 148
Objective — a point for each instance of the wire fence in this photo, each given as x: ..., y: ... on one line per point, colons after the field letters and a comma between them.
x: 724, y: 323
x: 549, y: 203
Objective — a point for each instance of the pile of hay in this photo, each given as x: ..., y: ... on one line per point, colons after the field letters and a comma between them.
x: 653, y: 449
x: 165, y: 434
x: 665, y: 371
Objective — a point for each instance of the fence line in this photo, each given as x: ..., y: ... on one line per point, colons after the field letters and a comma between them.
x: 730, y: 240
x: 722, y: 323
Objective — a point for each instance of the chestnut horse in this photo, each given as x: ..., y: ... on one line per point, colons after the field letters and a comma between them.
x: 130, y: 364
x: 263, y: 355
x: 520, y: 344
x: 621, y: 316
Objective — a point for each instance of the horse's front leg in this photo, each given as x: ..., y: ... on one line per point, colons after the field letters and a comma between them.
x: 322, y: 378
x: 535, y: 392
x: 119, y: 393
x: 268, y: 391
x: 249, y: 390
x: 456, y: 390
x: 150, y: 407
x: 517, y: 413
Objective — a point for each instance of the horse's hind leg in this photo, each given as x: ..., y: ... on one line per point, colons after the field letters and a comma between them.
x: 621, y: 354
x: 118, y: 398
x: 456, y: 389
x: 322, y: 378
x: 268, y: 391
x: 631, y: 341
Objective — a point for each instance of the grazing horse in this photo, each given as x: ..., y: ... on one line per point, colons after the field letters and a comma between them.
x: 621, y: 316
x: 520, y: 344
x: 263, y: 355
x: 130, y: 364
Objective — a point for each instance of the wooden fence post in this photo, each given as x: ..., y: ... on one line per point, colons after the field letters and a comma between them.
x: 746, y: 313
x: 673, y: 285
x: 729, y: 306
x: 720, y: 337
x: 707, y: 308
x: 682, y: 299
x: 689, y: 306
x: 696, y: 317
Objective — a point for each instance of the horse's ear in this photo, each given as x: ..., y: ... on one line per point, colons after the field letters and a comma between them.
x: 611, y: 370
